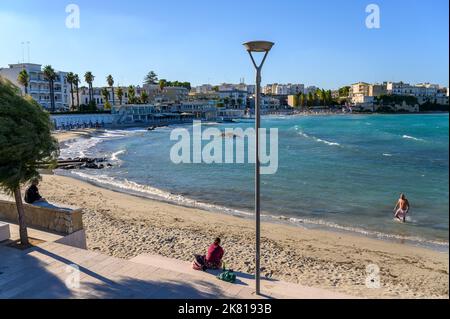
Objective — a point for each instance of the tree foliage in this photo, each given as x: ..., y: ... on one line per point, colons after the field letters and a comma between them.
x: 25, y: 137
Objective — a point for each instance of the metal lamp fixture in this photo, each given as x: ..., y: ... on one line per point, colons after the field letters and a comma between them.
x: 260, y: 47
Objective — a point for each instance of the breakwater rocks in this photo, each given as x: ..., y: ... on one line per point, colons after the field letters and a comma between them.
x: 83, y: 162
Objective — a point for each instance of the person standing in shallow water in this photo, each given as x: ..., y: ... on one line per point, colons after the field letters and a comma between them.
x: 401, y: 208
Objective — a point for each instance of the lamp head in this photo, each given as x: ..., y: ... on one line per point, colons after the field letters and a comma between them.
x: 258, y: 46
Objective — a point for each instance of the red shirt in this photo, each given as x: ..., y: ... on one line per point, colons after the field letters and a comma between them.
x: 215, y: 254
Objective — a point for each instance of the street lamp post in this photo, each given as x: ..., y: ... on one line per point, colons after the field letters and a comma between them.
x: 262, y: 47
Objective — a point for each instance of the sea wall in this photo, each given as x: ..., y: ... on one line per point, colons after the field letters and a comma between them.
x: 60, y: 221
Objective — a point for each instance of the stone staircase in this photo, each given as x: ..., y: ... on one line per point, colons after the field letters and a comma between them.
x: 53, y: 270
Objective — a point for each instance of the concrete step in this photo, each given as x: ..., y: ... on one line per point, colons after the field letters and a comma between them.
x: 270, y: 287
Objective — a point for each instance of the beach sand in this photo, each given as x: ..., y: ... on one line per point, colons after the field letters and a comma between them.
x: 125, y: 226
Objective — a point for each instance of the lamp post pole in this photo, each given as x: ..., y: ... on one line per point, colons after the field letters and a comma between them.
x: 258, y: 46
x: 257, y: 181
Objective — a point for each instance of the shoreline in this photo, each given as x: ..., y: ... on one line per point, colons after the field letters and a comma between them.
x: 64, y: 137
x: 125, y: 226
x: 320, y: 225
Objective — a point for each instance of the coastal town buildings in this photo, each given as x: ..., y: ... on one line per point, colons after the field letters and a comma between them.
x: 283, y: 89
x: 39, y: 88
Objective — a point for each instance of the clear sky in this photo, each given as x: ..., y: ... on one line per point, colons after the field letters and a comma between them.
x: 318, y: 42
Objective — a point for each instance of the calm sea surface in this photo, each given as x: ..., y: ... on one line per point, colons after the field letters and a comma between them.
x: 342, y: 172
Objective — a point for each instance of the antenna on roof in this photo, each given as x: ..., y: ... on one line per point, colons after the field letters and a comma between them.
x: 28, y: 48
x: 23, y: 51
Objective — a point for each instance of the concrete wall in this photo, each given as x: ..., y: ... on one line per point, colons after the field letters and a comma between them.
x: 63, y: 222
x: 81, y: 118
x: 76, y: 239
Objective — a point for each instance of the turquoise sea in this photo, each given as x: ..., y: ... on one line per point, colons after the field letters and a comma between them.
x: 340, y: 172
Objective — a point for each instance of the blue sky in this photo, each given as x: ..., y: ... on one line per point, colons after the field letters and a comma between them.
x: 321, y: 42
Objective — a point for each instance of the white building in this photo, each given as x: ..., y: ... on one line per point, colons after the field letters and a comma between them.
x: 418, y: 90
x: 236, y: 99
x: 204, y: 89
x: 283, y: 89
x: 39, y: 87
x: 311, y: 89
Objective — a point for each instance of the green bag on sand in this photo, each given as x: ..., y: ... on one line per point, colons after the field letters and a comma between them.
x: 228, y: 276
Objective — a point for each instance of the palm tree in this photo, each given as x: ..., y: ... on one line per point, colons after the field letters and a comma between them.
x: 151, y: 78
x: 131, y: 94
x: 50, y: 76
x: 89, y: 78
x: 23, y: 78
x: 76, y: 81
x: 162, y: 84
x: 144, y: 97
x: 110, y: 81
x: 70, y: 77
x: 120, y: 94
x: 310, y: 99
x: 105, y: 94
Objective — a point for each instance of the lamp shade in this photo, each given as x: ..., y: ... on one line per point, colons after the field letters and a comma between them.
x: 258, y: 46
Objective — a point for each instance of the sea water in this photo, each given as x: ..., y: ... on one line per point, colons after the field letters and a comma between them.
x: 340, y: 172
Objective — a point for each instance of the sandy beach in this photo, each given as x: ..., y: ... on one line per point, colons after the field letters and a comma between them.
x: 125, y: 226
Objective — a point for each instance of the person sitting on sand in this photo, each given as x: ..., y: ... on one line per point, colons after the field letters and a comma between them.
x: 32, y: 195
x: 214, y: 256
x: 402, y: 208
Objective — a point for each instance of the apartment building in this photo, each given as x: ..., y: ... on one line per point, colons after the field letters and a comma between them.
x: 39, y: 88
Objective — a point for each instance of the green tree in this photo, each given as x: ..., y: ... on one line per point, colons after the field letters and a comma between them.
x: 310, y: 100
x: 120, y: 94
x: 131, y: 95
x: 89, y: 78
x: 328, y: 98
x: 110, y: 81
x: 151, y: 78
x: 70, y: 78
x: 295, y: 101
x: 144, y: 97
x: 50, y: 76
x: 226, y: 101
x: 162, y: 84
x: 76, y: 81
x: 302, y: 100
x: 26, y: 140
x: 344, y: 91
x: 105, y: 95
x: 24, y: 79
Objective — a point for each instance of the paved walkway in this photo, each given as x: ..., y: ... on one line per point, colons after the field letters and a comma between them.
x: 42, y: 272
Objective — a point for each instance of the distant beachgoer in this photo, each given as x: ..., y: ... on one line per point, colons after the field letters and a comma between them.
x: 402, y: 208
x: 32, y: 195
x: 214, y: 256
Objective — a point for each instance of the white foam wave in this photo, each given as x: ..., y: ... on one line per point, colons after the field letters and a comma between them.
x: 158, y: 194
x: 387, y: 154
x: 114, y: 156
x: 155, y: 193
x: 366, y: 232
x: 80, y: 147
x: 412, y: 138
x: 301, y: 133
x: 327, y: 142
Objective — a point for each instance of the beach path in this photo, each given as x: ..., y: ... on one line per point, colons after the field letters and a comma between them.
x: 52, y: 270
